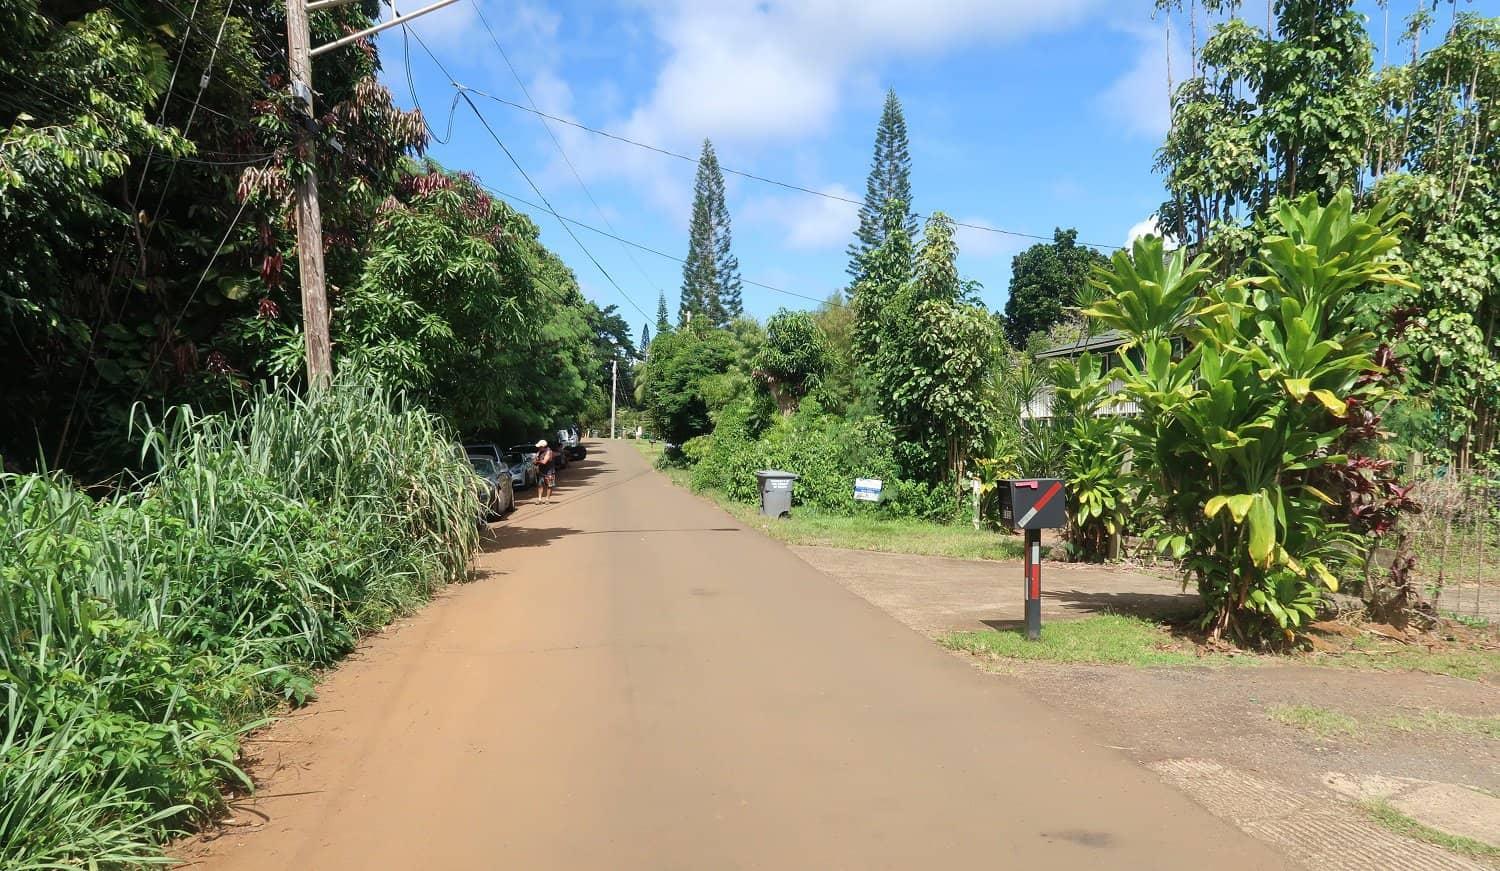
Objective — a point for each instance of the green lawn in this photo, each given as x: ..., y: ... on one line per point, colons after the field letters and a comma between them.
x: 1323, y: 722
x: 1112, y: 638
x: 810, y: 527
x: 1104, y: 638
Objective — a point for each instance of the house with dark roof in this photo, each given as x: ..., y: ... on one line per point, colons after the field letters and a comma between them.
x: 1107, y: 345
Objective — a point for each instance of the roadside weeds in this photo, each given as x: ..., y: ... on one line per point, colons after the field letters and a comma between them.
x: 1399, y: 823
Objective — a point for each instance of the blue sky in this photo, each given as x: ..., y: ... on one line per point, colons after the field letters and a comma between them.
x: 1023, y: 115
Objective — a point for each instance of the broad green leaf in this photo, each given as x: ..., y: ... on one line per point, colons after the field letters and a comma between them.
x: 1262, y: 522
x: 1336, y: 406
x: 1324, y: 574
x: 1240, y: 505
x: 1298, y: 387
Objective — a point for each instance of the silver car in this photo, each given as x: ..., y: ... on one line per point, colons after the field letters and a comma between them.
x: 496, y: 493
x: 522, y: 465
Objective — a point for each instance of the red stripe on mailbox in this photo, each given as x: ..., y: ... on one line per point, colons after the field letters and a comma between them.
x: 1047, y: 496
x: 1036, y: 581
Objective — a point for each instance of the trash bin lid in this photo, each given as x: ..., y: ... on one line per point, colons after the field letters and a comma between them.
x: 775, y: 474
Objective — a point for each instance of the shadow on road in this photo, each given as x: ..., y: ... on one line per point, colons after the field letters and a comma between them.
x: 510, y: 537
x: 679, y: 529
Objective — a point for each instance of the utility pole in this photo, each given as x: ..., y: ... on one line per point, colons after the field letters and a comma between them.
x: 309, y: 217
x: 614, y: 380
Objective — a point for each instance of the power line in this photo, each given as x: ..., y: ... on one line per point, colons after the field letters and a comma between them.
x: 555, y: 141
x: 517, y: 164
x: 177, y: 322
x: 586, y: 252
x: 750, y: 175
x: 646, y: 248
x: 255, y: 74
x: 546, y: 206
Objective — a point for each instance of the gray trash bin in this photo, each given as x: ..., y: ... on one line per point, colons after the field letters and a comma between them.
x: 775, y: 492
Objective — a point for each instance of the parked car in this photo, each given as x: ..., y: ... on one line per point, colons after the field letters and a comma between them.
x: 496, y: 494
x: 528, y: 457
x: 522, y: 466
x: 570, y: 441
x: 485, y: 449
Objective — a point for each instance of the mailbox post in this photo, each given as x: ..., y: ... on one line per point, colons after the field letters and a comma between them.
x: 1031, y: 505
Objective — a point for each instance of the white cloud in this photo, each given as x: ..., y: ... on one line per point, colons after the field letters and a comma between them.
x: 985, y: 244
x: 809, y: 223
x: 771, y: 70
x: 1139, y: 100
x: 754, y: 73
x: 1150, y: 227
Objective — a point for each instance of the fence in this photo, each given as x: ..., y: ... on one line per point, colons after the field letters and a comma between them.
x: 1456, y: 540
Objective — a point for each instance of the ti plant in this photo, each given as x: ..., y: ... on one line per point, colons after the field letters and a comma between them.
x: 1094, y: 462
x: 1243, y: 389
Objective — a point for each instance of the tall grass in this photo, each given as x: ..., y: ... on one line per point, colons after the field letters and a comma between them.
x: 140, y: 633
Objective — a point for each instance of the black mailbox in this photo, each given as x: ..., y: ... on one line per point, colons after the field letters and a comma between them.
x: 1033, y: 503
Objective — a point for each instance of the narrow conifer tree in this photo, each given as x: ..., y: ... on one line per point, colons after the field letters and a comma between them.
x: 890, y: 179
x: 710, y: 273
x: 662, y: 323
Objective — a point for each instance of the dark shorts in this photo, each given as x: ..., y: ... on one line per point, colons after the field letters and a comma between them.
x: 550, y: 477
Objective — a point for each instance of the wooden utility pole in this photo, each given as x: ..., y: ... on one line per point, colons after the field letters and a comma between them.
x: 614, y: 380
x: 300, y: 53
x: 309, y: 217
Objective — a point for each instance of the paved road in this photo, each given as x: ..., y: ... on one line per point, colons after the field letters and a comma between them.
x: 637, y: 682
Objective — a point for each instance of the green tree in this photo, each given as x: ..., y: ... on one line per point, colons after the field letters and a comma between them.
x: 839, y: 391
x: 1044, y: 280
x: 663, y: 324
x: 889, y: 179
x: 793, y: 359
x: 930, y: 363
x: 645, y: 338
x: 675, y: 379
x: 150, y: 225
x: 1268, y: 114
x: 710, y: 274
x: 888, y: 269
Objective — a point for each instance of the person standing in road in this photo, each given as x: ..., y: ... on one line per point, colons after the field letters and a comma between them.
x: 546, y: 464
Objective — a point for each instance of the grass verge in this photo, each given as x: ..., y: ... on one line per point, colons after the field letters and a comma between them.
x: 1106, y: 639
x: 1477, y: 665
x: 1444, y: 722
x: 1398, y: 822
x: 1323, y: 722
x: 808, y: 526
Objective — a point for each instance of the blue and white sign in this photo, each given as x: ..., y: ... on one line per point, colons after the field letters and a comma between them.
x: 868, y: 489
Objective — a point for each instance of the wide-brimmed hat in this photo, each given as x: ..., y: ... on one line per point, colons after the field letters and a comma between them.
x: 541, y: 443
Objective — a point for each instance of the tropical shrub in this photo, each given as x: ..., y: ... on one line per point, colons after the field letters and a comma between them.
x: 1093, y: 464
x: 142, y: 632
x: 1231, y: 431
x: 826, y: 451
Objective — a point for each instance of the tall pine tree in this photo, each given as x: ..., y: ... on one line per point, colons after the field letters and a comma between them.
x: 662, y: 323
x: 890, y: 179
x: 711, y: 272
x: 726, y: 265
x: 645, y: 338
